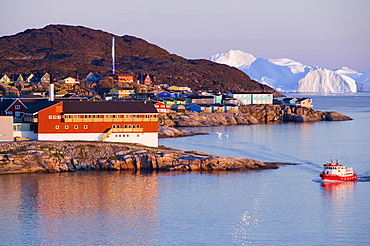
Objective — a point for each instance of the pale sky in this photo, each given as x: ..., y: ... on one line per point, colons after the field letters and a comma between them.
x: 327, y: 33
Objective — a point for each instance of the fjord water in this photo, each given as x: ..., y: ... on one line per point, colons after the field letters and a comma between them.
x: 287, y: 206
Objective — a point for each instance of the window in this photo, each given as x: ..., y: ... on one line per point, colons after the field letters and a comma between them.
x: 50, y: 117
x: 54, y: 117
x: 17, y: 107
x: 58, y: 116
x: 66, y: 127
x: 76, y: 127
x: 85, y: 126
x: 56, y: 127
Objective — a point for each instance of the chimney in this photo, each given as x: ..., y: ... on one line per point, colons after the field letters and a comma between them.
x: 113, y: 65
x: 51, y: 88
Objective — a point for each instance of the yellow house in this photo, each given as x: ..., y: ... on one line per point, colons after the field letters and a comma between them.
x: 69, y: 80
x: 124, y: 92
x: 4, y: 78
x: 179, y: 88
x: 61, y: 93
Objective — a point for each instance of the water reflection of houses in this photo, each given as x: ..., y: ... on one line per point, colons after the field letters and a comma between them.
x: 91, y: 202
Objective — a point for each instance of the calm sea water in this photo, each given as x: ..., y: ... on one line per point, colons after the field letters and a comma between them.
x: 287, y: 206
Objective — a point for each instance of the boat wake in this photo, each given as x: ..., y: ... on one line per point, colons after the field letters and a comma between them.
x: 363, y: 179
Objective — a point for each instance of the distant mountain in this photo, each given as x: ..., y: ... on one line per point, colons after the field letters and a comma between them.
x: 286, y: 75
x: 75, y: 51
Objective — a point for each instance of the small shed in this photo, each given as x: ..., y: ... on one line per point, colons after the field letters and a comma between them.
x: 178, y: 108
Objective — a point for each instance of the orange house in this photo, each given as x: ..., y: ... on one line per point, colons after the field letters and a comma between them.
x: 124, y: 77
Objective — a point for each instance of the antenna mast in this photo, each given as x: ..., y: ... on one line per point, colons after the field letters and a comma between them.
x: 113, y: 65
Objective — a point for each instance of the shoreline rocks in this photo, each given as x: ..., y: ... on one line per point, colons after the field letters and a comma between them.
x: 48, y: 156
x: 247, y: 115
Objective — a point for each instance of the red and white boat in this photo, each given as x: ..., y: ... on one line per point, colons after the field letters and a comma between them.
x: 334, y: 171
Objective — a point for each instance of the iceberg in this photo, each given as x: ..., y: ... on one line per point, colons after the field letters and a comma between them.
x: 286, y: 75
x: 234, y: 58
x: 326, y: 81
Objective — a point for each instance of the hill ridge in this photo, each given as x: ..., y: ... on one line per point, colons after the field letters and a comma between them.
x: 76, y: 50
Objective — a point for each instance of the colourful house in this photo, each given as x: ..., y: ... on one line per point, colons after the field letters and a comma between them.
x: 68, y: 80
x: 248, y: 98
x: 124, y: 78
x: 200, y: 99
x: 231, y: 108
x: 90, y: 78
x: 4, y: 78
x: 218, y: 108
x: 179, y: 88
x: 161, y: 107
x: 41, y: 78
x: 193, y: 107
x: 123, y: 93
x: 298, y: 102
x: 147, y: 80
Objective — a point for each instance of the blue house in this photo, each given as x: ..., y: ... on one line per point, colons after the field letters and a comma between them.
x: 164, y: 94
x: 193, y: 107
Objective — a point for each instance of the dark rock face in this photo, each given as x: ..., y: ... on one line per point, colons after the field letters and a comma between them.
x: 75, y: 50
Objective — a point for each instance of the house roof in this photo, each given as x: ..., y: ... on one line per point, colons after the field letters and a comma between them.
x: 252, y: 92
x: 5, y: 103
x: 40, y: 106
x: 108, y: 107
x: 201, y: 97
x: 124, y: 75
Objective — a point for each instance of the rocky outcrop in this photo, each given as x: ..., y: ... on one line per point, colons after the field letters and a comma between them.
x: 206, y: 119
x: 171, y: 132
x: 34, y: 156
x: 253, y: 114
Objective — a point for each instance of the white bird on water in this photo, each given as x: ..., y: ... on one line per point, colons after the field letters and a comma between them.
x: 219, y: 134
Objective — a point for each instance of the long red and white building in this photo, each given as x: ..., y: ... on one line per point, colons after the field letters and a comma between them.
x: 114, y: 121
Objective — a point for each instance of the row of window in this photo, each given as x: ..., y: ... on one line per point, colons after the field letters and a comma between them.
x: 126, y: 126
x: 86, y: 126
x: 104, y: 116
x: 75, y: 127
x: 124, y: 135
x: 23, y: 127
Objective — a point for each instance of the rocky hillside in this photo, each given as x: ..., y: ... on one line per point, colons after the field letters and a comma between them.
x: 75, y: 51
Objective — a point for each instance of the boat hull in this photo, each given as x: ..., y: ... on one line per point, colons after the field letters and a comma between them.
x: 338, y: 178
